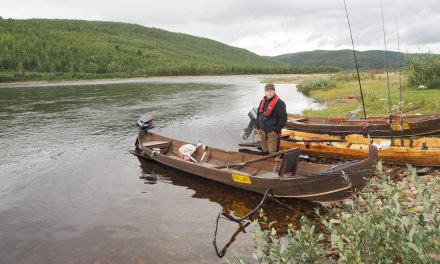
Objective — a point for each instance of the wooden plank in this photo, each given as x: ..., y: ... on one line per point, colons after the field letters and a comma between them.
x: 159, y: 144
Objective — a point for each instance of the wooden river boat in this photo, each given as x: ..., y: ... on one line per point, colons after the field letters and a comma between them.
x: 377, y: 126
x: 417, y: 152
x: 286, y: 177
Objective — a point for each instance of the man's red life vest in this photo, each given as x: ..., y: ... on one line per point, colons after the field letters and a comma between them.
x: 271, y: 106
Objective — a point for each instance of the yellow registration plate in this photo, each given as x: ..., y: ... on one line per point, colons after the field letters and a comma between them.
x: 396, y: 127
x: 241, y: 178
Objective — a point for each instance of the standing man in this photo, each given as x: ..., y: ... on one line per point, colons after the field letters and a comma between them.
x: 271, y: 118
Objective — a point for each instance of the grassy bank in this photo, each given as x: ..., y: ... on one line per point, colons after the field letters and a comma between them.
x: 374, y: 87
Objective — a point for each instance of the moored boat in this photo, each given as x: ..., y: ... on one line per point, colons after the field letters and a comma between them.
x: 285, y: 177
x: 412, y: 125
x: 417, y: 152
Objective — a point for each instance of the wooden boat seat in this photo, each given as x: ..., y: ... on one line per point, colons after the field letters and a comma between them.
x: 156, y: 144
x: 290, y: 163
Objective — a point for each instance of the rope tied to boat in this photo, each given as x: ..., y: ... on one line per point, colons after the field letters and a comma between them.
x: 229, y: 217
x: 267, y: 194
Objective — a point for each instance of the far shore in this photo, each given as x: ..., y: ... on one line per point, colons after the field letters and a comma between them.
x: 293, y: 78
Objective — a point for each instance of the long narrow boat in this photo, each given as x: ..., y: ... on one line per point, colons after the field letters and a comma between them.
x: 286, y: 177
x: 417, y: 152
x: 377, y: 126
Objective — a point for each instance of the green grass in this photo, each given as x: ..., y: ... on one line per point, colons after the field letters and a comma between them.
x: 375, y: 91
x: 333, y: 109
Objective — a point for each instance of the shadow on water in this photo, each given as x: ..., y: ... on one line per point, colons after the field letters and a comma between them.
x: 235, y: 202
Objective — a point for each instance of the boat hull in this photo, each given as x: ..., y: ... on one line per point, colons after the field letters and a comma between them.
x: 424, y: 151
x: 313, y: 182
x: 413, y: 125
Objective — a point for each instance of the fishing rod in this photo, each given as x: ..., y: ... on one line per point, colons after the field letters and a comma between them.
x: 400, y: 86
x: 357, y: 70
x: 390, y: 119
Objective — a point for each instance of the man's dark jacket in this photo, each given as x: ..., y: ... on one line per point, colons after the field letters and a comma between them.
x: 274, y: 122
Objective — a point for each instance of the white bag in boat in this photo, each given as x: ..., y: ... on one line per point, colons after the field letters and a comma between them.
x: 187, y: 149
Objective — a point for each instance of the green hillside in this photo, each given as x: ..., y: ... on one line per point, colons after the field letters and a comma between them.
x: 342, y: 59
x: 47, y: 48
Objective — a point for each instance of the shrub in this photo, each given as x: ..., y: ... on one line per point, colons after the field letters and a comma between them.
x: 308, y: 85
x: 4, y: 77
x: 382, y: 225
x: 423, y: 70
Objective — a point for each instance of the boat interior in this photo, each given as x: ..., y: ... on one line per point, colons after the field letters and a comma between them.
x: 289, y: 165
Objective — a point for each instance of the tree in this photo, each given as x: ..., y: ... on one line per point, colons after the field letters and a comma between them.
x: 423, y: 70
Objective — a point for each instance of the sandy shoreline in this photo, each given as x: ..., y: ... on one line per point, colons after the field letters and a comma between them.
x: 78, y: 82
x: 141, y: 80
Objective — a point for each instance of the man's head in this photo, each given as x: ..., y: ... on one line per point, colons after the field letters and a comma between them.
x: 269, y: 90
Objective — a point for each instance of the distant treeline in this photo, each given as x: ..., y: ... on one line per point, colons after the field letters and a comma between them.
x: 73, y: 49
x: 344, y: 59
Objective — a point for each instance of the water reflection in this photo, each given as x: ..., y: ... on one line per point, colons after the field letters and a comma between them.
x: 221, y: 251
x: 67, y: 180
x: 235, y: 202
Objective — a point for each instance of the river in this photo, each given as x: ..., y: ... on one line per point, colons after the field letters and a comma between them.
x: 70, y: 191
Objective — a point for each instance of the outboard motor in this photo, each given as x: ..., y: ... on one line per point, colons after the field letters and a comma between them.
x: 145, y: 122
x: 252, y: 124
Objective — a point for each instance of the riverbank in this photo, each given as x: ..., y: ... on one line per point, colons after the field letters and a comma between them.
x: 397, y: 212
x: 262, y: 77
x: 345, y: 97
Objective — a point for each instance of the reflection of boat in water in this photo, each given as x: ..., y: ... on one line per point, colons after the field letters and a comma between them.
x: 234, y: 201
x: 287, y: 177
x: 417, y: 152
x: 377, y: 126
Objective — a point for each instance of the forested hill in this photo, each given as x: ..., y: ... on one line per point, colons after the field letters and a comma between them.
x: 90, y: 48
x: 343, y: 59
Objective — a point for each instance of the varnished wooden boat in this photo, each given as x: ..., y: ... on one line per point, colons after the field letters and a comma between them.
x: 286, y: 177
x: 417, y: 152
x: 377, y: 126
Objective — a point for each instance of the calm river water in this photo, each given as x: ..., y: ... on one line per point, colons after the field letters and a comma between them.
x: 70, y: 191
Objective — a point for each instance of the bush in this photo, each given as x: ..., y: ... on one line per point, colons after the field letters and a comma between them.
x: 4, y: 77
x: 308, y: 85
x: 423, y: 70
x: 382, y: 225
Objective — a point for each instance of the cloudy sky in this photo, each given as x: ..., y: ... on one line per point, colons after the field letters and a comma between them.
x: 264, y: 27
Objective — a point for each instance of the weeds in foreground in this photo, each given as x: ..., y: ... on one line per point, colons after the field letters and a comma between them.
x: 380, y: 225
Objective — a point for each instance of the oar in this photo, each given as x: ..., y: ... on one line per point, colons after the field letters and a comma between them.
x: 271, y: 155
